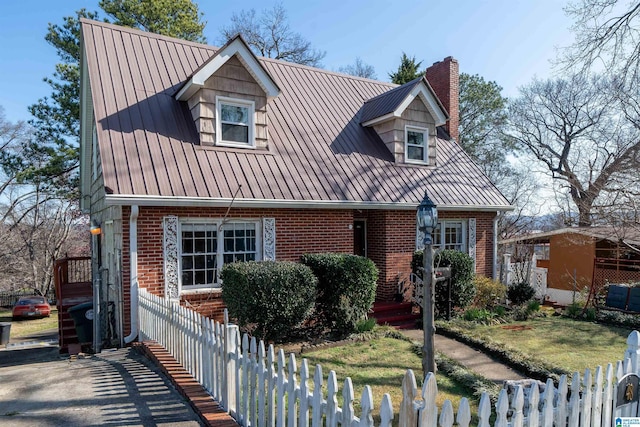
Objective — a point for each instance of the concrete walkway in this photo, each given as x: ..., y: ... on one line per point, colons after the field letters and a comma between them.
x: 116, y: 387
x: 469, y: 357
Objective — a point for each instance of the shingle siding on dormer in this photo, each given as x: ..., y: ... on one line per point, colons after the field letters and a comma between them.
x: 232, y: 80
x: 392, y: 132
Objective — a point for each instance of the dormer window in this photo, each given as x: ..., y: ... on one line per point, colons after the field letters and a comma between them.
x: 415, y: 140
x: 235, y: 124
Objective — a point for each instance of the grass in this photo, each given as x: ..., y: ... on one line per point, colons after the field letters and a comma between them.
x: 20, y: 328
x: 381, y: 363
x: 559, y: 341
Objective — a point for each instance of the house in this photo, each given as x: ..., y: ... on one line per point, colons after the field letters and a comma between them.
x: 577, y: 258
x: 192, y: 157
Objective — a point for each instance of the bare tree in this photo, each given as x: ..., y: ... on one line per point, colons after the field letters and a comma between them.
x: 34, y: 222
x: 359, y: 69
x: 519, y: 187
x: 573, y: 127
x: 607, y: 33
x: 269, y: 35
x: 607, y: 36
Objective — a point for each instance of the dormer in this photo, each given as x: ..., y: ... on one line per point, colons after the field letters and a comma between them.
x: 406, y: 118
x: 228, y: 97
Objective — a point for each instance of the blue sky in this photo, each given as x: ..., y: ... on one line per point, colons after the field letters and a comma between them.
x: 508, y: 41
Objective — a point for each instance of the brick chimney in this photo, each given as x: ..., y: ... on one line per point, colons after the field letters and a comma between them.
x: 443, y: 76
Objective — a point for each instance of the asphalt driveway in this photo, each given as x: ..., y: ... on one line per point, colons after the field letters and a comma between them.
x: 39, y: 387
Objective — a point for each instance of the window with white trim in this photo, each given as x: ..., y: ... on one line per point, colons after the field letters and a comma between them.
x: 206, y: 247
x: 235, y: 124
x: 415, y: 144
x: 450, y: 234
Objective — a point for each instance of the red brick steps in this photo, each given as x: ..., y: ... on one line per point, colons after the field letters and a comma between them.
x: 398, y: 315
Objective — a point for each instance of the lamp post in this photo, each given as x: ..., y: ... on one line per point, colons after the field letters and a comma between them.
x: 427, y: 218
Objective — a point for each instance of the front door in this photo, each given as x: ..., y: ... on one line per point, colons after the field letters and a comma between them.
x: 360, y: 237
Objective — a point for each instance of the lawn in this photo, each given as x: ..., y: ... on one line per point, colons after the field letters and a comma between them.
x: 573, y: 345
x: 20, y: 328
x: 381, y: 363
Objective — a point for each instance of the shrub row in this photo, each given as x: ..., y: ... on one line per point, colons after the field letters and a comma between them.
x: 273, y: 298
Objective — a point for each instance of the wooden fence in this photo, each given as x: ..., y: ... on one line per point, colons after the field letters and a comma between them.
x: 260, y: 387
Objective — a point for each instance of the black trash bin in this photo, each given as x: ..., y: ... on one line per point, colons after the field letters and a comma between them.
x: 82, y: 315
x: 5, y: 330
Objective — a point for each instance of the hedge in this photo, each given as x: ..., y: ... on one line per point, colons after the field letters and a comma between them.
x: 346, y: 289
x: 270, y: 297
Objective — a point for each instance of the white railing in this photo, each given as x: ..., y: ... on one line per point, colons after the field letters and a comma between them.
x: 527, y: 271
x: 259, y: 388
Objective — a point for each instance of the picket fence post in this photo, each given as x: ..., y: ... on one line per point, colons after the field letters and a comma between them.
x: 633, y: 351
x: 229, y: 385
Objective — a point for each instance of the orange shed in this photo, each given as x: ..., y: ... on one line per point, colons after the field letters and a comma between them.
x: 572, y: 255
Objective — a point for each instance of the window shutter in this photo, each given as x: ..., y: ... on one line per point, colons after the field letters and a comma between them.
x: 170, y: 250
x: 472, y: 240
x: 269, y: 239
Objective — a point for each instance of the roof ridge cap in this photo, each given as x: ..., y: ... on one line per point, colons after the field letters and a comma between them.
x: 414, y: 82
x: 149, y: 34
x: 325, y: 71
x: 143, y: 33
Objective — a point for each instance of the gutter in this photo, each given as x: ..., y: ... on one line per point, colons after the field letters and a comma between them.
x: 133, y: 262
x: 495, y: 246
x: 181, y: 201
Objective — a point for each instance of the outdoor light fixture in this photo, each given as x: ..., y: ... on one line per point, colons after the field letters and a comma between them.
x: 95, y: 227
x: 427, y: 219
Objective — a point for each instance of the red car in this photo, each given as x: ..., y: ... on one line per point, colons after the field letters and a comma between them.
x: 33, y: 306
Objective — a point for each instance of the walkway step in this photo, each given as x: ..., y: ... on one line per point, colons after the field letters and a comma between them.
x: 398, y: 315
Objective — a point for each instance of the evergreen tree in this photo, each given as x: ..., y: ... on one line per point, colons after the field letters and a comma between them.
x: 56, y: 119
x: 175, y: 18
x: 408, y: 70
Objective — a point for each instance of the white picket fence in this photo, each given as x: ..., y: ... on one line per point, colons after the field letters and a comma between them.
x: 260, y: 389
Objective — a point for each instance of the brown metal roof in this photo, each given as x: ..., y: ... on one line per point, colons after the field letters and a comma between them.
x: 387, y: 102
x: 630, y: 235
x: 319, y: 153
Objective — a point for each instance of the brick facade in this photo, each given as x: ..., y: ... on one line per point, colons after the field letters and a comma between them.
x: 390, y: 243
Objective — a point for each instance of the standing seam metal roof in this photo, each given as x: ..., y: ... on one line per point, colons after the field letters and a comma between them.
x: 319, y: 152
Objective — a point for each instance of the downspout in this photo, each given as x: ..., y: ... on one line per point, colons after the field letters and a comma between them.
x: 495, y: 246
x: 133, y: 262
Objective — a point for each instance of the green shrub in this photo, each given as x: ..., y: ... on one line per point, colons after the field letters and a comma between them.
x: 365, y: 325
x: 520, y: 293
x: 533, y: 306
x: 573, y: 310
x: 489, y: 293
x: 273, y: 297
x: 346, y: 289
x: 591, y: 314
x: 500, y: 311
x: 475, y: 314
x: 462, y: 273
